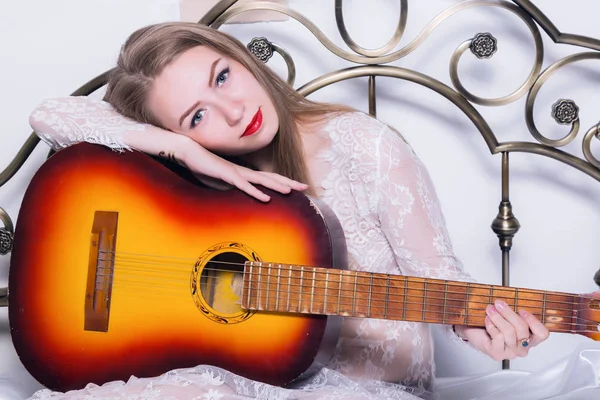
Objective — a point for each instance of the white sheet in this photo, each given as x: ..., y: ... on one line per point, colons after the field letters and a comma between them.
x: 576, y: 377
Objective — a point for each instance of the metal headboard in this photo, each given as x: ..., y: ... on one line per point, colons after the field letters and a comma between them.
x: 373, y: 63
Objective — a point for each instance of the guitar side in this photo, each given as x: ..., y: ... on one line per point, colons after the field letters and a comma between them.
x: 167, y: 228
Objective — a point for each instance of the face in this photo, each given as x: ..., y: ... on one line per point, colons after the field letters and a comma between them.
x: 215, y: 101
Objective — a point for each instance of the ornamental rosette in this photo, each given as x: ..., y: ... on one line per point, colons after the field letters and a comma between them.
x: 484, y: 45
x: 6, y: 240
x: 565, y: 112
x: 261, y: 48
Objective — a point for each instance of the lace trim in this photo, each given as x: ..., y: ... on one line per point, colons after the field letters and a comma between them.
x: 63, y: 122
x: 380, y: 191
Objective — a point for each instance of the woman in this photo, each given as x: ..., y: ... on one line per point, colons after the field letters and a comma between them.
x: 193, y: 94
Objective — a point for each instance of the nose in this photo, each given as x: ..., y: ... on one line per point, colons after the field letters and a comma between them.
x: 232, y: 110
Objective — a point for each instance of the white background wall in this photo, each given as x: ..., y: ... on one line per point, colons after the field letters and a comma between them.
x: 49, y: 48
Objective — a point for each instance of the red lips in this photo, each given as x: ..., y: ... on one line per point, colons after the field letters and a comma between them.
x: 254, y: 125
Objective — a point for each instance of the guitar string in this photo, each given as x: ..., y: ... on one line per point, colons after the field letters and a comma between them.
x: 395, y: 279
x: 461, y: 317
x: 284, y: 265
x: 340, y: 272
x: 156, y: 282
x: 420, y: 309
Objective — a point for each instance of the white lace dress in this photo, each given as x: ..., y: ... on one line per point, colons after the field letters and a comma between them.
x: 382, y: 195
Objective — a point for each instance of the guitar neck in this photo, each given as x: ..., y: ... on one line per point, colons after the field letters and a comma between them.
x: 309, y: 290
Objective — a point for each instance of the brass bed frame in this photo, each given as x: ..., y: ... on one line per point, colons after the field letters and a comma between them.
x: 372, y: 63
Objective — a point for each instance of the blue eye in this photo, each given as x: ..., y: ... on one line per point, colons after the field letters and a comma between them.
x: 222, y: 77
x: 197, y: 118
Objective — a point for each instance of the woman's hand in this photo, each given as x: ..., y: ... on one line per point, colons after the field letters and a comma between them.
x: 243, y: 178
x: 507, y: 334
x: 216, y: 172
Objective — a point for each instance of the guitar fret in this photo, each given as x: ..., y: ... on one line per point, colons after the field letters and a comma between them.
x: 248, y: 295
x: 278, y: 287
x: 340, y: 292
x: 268, y: 286
x: 312, y: 291
x: 354, y: 295
x: 387, y: 297
x: 325, y: 295
x: 491, y: 299
x: 301, y: 289
x: 370, y: 296
x: 259, y: 282
x: 573, y: 315
x: 424, y: 300
x: 289, y: 292
x: 445, y: 302
x: 405, y: 300
x: 456, y: 306
x: 543, y: 320
x: 467, y: 304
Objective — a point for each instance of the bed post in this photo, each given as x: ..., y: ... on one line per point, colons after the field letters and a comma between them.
x: 505, y: 225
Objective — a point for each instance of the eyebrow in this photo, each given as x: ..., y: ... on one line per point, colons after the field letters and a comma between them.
x: 196, y: 104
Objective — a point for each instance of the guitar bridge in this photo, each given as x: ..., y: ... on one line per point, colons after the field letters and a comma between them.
x: 101, y: 268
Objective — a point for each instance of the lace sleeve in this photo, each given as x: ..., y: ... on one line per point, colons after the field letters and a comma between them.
x: 411, y: 217
x: 410, y: 213
x: 61, y: 122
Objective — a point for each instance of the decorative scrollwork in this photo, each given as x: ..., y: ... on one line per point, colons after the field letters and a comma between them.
x: 6, y: 233
x: 394, y: 40
x: 484, y: 45
x: 366, y: 56
x: 6, y: 241
x: 594, y: 132
x: 565, y: 112
x: 261, y: 48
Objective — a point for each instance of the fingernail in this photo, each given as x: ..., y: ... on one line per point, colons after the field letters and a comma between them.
x: 491, y: 310
x: 500, y: 304
x: 525, y: 314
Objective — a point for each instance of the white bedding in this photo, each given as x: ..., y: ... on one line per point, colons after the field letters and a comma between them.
x: 576, y: 377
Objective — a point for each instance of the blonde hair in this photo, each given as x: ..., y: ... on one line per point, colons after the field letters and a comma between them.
x: 149, y: 50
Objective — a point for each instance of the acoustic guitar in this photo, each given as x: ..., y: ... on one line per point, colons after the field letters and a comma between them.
x: 122, y: 266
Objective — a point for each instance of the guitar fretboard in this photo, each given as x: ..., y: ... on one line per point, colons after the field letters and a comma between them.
x: 309, y: 290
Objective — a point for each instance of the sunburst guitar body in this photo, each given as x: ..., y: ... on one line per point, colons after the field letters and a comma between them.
x: 111, y: 274
x: 122, y: 266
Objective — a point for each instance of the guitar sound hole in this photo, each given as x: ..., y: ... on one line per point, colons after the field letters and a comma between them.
x: 221, y: 282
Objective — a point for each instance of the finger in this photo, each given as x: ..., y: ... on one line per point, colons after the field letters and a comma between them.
x: 266, y: 181
x: 496, y: 345
x: 298, y: 185
x: 288, y: 182
x: 505, y: 327
x: 248, y: 188
x: 521, y: 327
x: 538, y: 330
